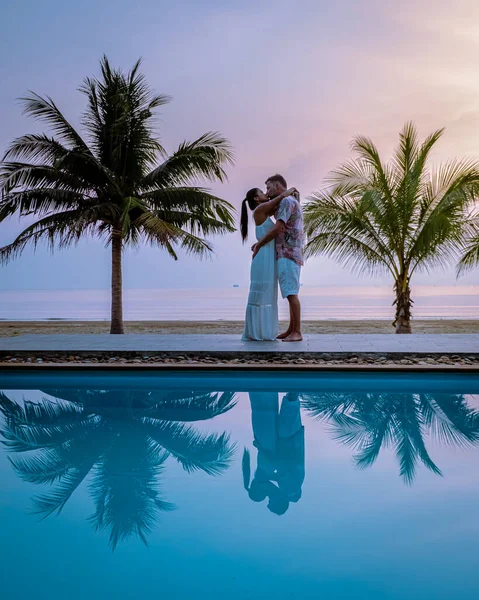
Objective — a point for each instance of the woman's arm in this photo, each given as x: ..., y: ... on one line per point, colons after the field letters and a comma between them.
x: 272, y: 234
x: 266, y: 209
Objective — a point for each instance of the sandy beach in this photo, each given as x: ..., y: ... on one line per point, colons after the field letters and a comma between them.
x: 13, y: 328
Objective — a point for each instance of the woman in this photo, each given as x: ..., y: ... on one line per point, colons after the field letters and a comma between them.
x: 261, y: 323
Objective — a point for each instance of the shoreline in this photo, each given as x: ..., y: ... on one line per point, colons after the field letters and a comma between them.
x: 340, y: 326
x: 67, y: 320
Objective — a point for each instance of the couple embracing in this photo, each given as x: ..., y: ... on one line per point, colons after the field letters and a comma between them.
x: 277, y: 258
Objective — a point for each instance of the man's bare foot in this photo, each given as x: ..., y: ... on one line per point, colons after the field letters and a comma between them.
x: 284, y: 335
x: 294, y: 337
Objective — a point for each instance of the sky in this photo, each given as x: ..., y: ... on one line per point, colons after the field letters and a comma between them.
x: 288, y: 83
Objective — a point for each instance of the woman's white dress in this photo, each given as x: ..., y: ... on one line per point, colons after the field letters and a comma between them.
x: 261, y: 321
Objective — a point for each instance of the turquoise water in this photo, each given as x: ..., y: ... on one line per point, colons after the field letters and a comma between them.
x: 244, y: 486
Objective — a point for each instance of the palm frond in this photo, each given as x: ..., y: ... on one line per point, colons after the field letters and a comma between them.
x: 211, y: 453
x: 20, y: 176
x: 192, y: 207
x: 406, y: 153
x: 44, y: 467
x: 39, y: 148
x: 409, y: 173
x: 349, y: 251
x: 339, y: 227
x: 46, y: 110
x: 167, y: 236
x: 62, y: 229
x: 40, y: 201
x: 55, y: 500
x: 205, y: 158
x: 470, y: 251
x: 189, y: 406
x: 443, y: 225
x: 369, y: 154
x: 449, y: 419
x: 330, y: 407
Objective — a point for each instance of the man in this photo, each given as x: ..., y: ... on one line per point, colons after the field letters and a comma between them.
x: 288, y: 233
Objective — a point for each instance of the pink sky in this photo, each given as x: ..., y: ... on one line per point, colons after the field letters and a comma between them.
x: 289, y: 83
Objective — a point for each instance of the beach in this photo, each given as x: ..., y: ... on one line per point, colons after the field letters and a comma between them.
x: 327, y: 310
x: 14, y: 328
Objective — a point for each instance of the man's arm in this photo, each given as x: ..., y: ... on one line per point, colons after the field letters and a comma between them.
x: 272, y: 234
x: 285, y: 211
x: 271, y: 206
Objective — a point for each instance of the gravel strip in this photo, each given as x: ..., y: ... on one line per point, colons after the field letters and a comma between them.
x: 281, y: 359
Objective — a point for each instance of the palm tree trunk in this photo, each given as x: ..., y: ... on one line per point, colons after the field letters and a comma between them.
x: 403, y: 304
x: 116, y: 283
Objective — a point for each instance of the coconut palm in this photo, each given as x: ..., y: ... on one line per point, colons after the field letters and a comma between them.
x: 121, y: 440
x: 401, y: 421
x: 395, y: 218
x: 115, y: 180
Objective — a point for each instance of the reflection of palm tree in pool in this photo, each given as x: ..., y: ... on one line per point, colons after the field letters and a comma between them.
x: 122, y: 438
x: 279, y: 439
x: 368, y: 422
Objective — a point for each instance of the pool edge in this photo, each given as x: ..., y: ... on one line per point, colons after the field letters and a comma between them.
x: 242, y: 367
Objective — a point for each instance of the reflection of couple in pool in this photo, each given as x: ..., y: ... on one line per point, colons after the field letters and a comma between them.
x: 279, y: 439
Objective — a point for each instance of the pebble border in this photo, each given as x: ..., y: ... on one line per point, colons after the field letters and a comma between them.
x: 210, y: 359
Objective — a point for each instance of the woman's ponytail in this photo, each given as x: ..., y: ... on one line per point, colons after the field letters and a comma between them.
x: 250, y: 201
x: 244, y: 220
x: 246, y: 469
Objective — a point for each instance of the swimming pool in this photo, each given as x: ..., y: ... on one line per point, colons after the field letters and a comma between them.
x: 239, y: 485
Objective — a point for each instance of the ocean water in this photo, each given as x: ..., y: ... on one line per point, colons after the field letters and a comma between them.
x: 252, y: 486
x: 374, y: 302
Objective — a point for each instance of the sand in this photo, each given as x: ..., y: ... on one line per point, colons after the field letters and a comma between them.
x: 13, y: 328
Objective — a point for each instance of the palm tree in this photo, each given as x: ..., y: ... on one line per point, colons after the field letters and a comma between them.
x: 401, y: 421
x: 116, y: 182
x: 122, y: 440
x: 394, y: 218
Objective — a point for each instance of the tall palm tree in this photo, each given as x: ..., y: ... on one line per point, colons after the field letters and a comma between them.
x: 121, y: 440
x: 395, y: 218
x: 116, y: 181
x: 401, y: 421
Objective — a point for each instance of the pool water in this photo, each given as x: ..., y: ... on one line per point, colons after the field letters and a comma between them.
x: 239, y: 486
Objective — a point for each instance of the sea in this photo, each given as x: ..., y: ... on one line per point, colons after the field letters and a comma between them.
x: 228, y: 304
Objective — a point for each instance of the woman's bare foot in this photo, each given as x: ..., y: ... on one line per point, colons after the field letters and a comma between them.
x: 284, y: 335
x: 293, y: 337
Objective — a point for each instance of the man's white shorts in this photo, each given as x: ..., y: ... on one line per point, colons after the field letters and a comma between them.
x: 288, y: 276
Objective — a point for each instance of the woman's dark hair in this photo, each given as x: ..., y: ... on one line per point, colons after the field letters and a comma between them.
x: 251, y: 202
